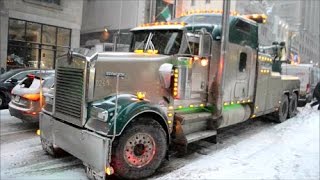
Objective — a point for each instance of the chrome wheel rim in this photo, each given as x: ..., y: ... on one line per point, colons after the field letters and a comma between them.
x: 139, y: 150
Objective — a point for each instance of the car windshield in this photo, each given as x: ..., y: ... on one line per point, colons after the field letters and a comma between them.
x: 166, y: 42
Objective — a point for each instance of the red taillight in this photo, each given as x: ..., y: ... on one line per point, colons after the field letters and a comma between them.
x: 33, y: 97
x: 308, y: 88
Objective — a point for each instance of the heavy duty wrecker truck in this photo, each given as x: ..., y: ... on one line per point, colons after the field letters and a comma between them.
x: 120, y: 113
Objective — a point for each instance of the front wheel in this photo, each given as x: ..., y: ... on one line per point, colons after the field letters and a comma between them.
x: 139, y: 151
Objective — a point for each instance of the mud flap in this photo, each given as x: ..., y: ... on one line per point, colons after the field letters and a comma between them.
x: 178, y: 138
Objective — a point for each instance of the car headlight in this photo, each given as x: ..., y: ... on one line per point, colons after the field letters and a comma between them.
x: 100, y: 114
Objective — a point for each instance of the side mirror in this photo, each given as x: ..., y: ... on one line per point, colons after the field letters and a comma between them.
x: 13, y: 81
x: 205, y: 42
x: 165, y: 71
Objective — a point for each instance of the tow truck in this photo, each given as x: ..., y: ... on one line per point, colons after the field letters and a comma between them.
x: 121, y: 112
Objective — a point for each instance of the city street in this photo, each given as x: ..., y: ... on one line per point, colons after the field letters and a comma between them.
x: 256, y: 149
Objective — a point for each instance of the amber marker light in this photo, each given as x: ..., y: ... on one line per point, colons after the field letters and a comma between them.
x: 204, y: 62
x: 138, y: 51
x: 141, y: 95
x: 109, y: 170
x: 32, y: 97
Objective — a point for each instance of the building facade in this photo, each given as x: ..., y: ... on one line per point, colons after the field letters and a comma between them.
x: 104, y: 19
x: 34, y: 32
x: 185, y: 5
x: 309, y: 36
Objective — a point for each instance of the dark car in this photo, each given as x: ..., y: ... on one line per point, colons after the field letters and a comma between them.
x: 10, y: 79
x: 27, y: 97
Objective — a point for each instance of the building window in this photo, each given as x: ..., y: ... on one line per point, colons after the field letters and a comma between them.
x: 208, y: 1
x: 32, y: 44
x: 57, y: 2
x: 243, y: 62
x: 193, y: 2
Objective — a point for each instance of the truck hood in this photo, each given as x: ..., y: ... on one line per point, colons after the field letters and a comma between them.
x: 141, y: 74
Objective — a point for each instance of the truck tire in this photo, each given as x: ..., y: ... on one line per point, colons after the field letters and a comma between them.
x: 139, y: 150
x: 293, y: 105
x: 282, y: 113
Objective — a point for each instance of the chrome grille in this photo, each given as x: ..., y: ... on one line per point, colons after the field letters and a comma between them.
x: 69, y: 91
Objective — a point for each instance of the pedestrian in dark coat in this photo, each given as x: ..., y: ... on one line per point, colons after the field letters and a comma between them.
x: 317, y: 96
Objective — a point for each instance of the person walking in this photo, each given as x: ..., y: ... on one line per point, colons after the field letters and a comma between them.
x: 317, y: 96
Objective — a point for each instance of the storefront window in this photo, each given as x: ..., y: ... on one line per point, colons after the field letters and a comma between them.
x: 17, y: 30
x: 63, y: 37
x: 61, y: 51
x: 36, y: 45
x: 32, y: 56
x: 33, y: 32
x: 47, y: 56
x: 49, y: 35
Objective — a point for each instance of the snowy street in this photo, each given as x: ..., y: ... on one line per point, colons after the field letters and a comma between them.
x: 256, y: 149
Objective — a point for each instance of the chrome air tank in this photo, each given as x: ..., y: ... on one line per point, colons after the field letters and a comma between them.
x: 234, y: 114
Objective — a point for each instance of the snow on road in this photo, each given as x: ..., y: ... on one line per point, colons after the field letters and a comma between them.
x: 256, y: 149
x: 282, y: 151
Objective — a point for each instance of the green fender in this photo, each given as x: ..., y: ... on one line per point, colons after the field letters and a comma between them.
x: 129, y: 107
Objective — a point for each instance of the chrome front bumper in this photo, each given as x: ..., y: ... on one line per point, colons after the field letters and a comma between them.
x: 89, y: 147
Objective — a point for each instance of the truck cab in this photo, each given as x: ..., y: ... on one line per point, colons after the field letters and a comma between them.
x: 121, y: 113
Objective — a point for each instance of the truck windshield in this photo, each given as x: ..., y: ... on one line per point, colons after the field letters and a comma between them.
x: 167, y: 42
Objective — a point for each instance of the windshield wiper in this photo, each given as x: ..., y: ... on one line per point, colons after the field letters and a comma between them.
x: 149, y: 42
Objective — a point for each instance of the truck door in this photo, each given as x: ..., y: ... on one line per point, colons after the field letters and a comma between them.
x: 193, y: 75
x: 244, y: 41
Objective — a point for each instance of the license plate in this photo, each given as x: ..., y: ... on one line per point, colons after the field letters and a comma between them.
x: 17, y: 98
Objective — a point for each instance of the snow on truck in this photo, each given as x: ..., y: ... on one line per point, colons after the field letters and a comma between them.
x: 121, y: 113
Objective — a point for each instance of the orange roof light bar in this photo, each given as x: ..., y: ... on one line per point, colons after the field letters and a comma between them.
x: 163, y: 24
x: 212, y: 11
x: 259, y: 18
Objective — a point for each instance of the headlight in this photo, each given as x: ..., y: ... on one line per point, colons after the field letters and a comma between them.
x: 100, y: 114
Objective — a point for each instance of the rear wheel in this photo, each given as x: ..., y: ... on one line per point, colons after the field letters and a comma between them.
x: 282, y: 113
x: 293, y: 105
x: 139, y: 151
